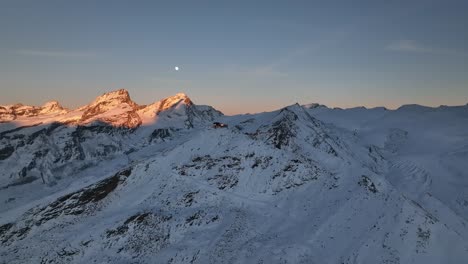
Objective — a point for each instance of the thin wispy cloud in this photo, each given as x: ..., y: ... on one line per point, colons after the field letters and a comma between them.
x: 56, y: 54
x: 276, y: 67
x: 415, y: 47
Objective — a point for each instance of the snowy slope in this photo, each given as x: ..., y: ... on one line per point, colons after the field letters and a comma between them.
x: 304, y: 184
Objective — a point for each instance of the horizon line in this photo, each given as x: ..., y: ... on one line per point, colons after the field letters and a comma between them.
x: 245, y: 113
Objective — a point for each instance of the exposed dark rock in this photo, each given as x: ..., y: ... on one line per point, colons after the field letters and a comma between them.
x: 223, y: 181
x: 367, y: 183
x: 4, y: 133
x: 192, y: 218
x: 45, y: 131
x: 142, y: 232
x: 73, y: 148
x: 134, y: 219
x: 8, y: 232
x: 161, y: 133
x: 282, y: 130
x: 263, y: 162
x: 6, y: 152
x: 226, y: 166
x: 189, y: 198
x: 4, y: 228
x: 76, y: 203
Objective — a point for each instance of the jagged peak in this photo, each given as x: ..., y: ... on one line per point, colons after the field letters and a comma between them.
x: 169, y: 102
x: 117, y: 95
x: 289, y: 108
x: 110, y: 100
x: 175, y: 99
x: 115, y: 107
x: 292, y: 113
x: 177, y: 107
x: 292, y: 107
x: 120, y: 91
x: 52, y: 104
x: 51, y: 107
x: 181, y: 95
x: 295, y: 109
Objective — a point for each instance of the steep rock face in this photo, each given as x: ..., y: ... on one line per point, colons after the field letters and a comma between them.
x: 283, y: 129
x: 179, y: 111
x: 114, y: 108
x: 293, y: 126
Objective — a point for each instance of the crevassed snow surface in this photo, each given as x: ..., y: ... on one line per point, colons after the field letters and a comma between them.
x: 115, y: 182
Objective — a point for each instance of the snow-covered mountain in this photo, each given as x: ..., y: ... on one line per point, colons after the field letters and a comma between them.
x: 17, y: 111
x: 117, y: 182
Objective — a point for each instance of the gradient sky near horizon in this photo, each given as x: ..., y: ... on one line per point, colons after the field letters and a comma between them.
x: 238, y: 56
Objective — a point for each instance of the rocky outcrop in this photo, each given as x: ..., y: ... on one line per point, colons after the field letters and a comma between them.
x: 114, y: 108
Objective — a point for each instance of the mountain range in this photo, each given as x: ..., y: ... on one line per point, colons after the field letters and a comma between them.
x: 118, y: 182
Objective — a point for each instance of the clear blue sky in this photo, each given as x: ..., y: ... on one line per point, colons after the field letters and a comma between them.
x: 239, y: 56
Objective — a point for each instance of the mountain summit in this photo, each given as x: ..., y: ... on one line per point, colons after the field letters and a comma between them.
x: 112, y: 99
x: 178, y: 107
x: 167, y: 103
x: 115, y: 108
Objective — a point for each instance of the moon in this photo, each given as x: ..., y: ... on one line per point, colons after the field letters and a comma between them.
x: 176, y: 68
